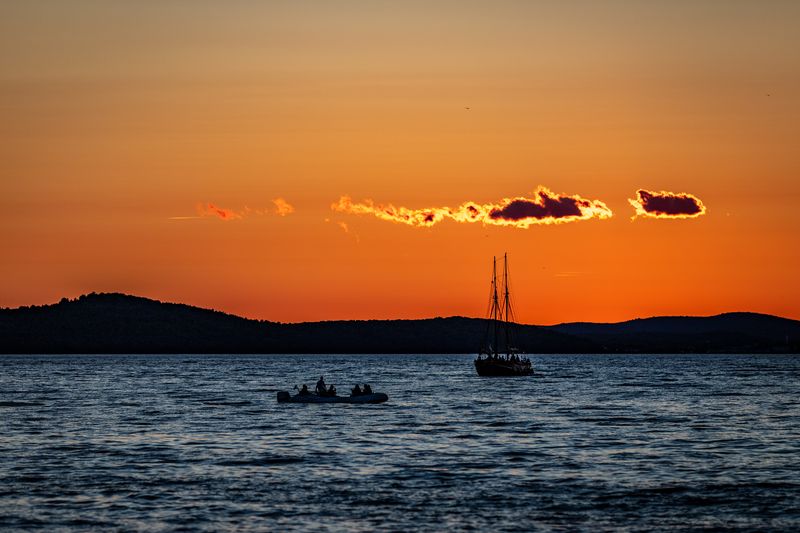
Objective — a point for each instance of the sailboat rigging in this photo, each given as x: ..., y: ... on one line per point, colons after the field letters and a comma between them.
x: 502, y: 358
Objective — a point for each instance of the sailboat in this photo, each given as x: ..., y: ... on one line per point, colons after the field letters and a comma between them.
x: 497, y: 356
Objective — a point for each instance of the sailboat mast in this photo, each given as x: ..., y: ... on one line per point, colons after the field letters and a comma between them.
x: 506, y: 303
x: 495, y: 303
x: 501, y: 314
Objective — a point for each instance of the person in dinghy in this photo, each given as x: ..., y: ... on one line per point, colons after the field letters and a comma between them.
x: 323, y: 394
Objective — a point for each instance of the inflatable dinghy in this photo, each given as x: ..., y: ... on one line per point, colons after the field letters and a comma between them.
x: 376, y: 397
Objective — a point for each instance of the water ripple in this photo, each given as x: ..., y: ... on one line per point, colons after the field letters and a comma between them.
x: 593, y: 442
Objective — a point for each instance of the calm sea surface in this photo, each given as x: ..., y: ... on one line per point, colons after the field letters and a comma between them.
x: 198, y: 443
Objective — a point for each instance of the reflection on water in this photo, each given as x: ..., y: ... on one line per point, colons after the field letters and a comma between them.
x: 591, y: 442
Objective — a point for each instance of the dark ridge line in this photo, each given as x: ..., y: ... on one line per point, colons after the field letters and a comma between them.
x: 119, y: 323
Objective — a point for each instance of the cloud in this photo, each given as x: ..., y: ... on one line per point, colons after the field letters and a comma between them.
x: 282, y: 207
x: 544, y: 207
x: 664, y: 204
x: 211, y: 210
x: 345, y: 228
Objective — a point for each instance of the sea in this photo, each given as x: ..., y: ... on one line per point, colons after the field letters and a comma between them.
x: 588, y: 443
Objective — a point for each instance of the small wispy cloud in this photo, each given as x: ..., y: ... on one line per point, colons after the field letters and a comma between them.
x: 345, y: 228
x: 568, y: 274
x: 205, y: 210
x: 282, y: 207
x: 211, y: 210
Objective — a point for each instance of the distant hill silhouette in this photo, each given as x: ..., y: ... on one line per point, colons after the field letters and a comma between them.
x: 118, y: 323
x: 728, y: 332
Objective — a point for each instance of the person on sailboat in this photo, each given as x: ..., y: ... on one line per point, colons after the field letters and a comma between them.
x: 321, y: 386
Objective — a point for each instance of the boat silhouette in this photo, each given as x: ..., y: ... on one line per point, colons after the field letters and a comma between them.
x: 313, y: 397
x: 501, y: 358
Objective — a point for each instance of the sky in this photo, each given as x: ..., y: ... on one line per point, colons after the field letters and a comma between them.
x: 297, y: 161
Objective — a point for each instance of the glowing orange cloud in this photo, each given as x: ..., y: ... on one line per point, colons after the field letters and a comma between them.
x: 545, y: 207
x: 664, y: 204
x: 282, y: 208
x: 345, y: 228
x: 211, y: 210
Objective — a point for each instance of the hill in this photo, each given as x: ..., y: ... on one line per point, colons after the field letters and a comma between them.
x: 118, y: 323
x: 728, y: 332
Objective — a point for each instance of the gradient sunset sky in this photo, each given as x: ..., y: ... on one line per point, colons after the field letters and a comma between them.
x: 243, y: 155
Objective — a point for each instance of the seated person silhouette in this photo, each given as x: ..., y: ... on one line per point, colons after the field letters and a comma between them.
x: 331, y: 391
x: 367, y: 389
x: 355, y: 391
x: 304, y: 390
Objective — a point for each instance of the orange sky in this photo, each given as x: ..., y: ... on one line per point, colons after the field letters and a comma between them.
x: 119, y: 119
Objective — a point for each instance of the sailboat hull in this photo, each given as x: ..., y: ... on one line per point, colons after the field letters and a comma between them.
x: 500, y: 368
